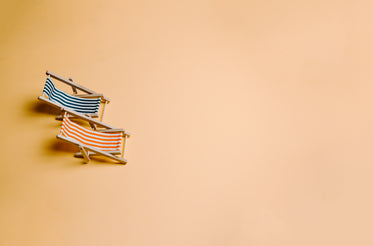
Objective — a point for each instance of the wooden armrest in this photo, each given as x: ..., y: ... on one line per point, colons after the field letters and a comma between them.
x: 111, y: 130
x: 89, y: 95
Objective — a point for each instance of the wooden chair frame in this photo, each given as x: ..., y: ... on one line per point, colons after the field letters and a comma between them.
x: 87, y: 151
x: 75, y: 87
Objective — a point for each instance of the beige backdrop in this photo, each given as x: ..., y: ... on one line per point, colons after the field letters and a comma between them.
x: 251, y: 123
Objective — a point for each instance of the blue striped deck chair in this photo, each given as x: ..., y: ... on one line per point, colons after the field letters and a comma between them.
x: 87, y: 104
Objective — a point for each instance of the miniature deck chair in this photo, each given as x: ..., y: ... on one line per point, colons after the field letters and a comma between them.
x: 107, y: 142
x: 87, y: 104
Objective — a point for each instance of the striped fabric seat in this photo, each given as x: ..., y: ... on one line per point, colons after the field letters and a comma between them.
x: 85, y: 137
x: 80, y: 105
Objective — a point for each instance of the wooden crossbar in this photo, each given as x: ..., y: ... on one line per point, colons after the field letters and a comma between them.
x: 80, y: 155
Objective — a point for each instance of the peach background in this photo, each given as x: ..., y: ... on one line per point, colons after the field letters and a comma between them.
x: 251, y: 123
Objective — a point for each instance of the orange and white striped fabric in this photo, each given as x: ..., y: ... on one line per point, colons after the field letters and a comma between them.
x: 100, y: 140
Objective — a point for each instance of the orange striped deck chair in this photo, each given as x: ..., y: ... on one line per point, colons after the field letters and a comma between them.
x: 108, y: 142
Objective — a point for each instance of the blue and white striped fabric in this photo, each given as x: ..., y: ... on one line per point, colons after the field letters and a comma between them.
x: 80, y: 105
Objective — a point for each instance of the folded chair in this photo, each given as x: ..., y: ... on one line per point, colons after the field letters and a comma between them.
x: 88, y: 103
x: 101, y: 140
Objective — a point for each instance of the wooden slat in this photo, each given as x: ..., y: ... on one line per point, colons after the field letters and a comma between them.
x: 60, y: 117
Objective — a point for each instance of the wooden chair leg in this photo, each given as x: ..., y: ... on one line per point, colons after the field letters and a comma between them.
x: 124, y: 145
x: 103, y: 111
x: 93, y: 126
x: 85, y: 154
x: 75, y: 91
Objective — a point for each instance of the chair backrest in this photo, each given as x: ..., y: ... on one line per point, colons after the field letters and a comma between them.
x: 100, y: 140
x: 80, y: 105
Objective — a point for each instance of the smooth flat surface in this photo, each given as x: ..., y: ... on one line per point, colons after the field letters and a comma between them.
x: 251, y: 123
